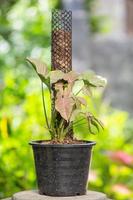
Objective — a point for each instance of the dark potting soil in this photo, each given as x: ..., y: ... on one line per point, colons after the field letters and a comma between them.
x: 65, y: 141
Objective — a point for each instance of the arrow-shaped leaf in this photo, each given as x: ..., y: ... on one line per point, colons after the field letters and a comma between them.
x: 71, y: 76
x: 56, y: 75
x: 74, y: 114
x: 93, y: 80
x: 87, y: 90
x: 64, y: 105
x: 41, y: 69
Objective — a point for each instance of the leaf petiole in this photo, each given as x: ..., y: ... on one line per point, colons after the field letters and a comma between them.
x: 44, y: 106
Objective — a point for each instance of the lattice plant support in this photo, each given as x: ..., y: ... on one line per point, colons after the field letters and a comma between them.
x: 62, y: 40
x: 61, y: 46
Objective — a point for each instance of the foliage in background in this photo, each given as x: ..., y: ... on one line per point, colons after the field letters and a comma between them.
x: 98, y: 23
x: 113, y: 161
x: 25, y: 31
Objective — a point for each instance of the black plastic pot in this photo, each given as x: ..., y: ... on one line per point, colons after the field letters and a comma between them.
x: 62, y: 169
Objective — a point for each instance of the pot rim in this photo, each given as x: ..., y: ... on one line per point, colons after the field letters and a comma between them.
x: 84, y: 144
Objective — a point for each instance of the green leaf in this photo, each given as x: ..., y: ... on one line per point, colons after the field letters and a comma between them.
x: 93, y: 121
x: 74, y: 114
x: 41, y: 69
x: 95, y: 124
x: 99, y: 122
x: 89, y: 124
x: 80, y: 126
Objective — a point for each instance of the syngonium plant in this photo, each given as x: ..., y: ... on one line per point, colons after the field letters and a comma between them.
x: 68, y: 92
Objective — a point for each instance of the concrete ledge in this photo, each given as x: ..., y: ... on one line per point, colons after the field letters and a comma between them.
x: 33, y: 195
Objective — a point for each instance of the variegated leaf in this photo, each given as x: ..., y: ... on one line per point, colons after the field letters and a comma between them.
x: 41, y: 69
x: 56, y: 76
x: 74, y: 114
x: 59, y: 87
x: 93, y: 80
x: 82, y: 101
x: 87, y: 90
x: 71, y: 76
x: 64, y: 105
x: 77, y: 87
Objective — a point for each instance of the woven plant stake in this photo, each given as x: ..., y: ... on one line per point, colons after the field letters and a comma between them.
x: 61, y: 46
x: 61, y: 50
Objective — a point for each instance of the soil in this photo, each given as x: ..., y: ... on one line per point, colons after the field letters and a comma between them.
x: 65, y: 141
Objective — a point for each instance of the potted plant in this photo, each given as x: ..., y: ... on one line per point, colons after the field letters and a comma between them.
x: 62, y: 164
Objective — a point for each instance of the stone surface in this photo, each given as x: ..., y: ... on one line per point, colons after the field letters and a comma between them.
x: 33, y: 195
x: 7, y: 199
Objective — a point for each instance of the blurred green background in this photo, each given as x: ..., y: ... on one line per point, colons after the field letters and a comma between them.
x: 25, y: 31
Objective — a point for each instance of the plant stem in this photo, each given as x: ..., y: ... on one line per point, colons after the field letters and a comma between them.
x: 78, y: 121
x: 79, y: 124
x: 44, y: 107
x: 78, y: 92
